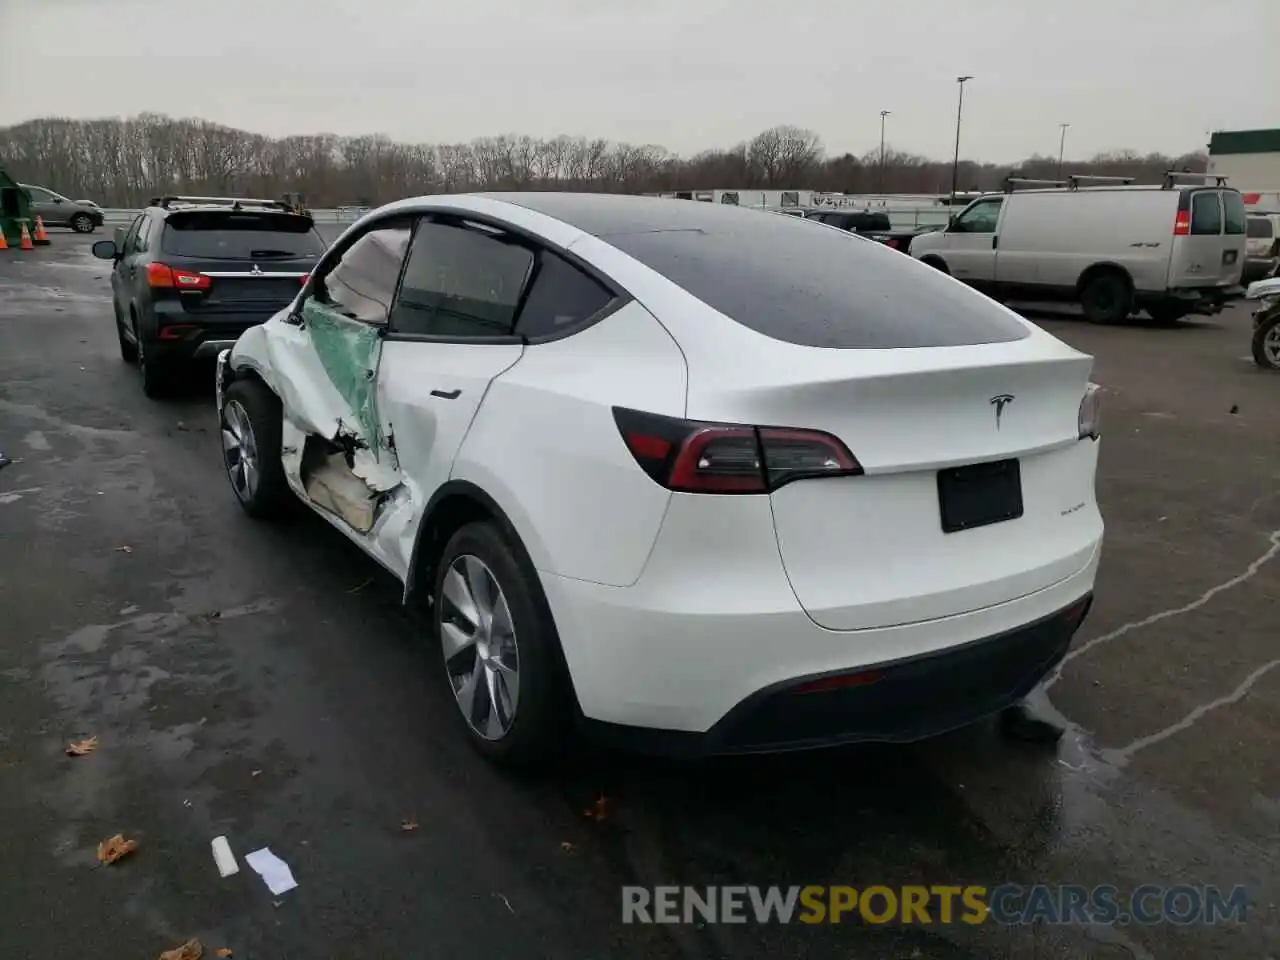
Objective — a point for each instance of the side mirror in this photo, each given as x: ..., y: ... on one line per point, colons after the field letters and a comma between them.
x: 105, y: 250
x: 57, y: 200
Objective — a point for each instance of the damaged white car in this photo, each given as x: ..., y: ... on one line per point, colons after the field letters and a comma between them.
x: 683, y: 476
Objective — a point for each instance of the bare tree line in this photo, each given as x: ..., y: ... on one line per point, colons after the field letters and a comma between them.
x: 123, y: 162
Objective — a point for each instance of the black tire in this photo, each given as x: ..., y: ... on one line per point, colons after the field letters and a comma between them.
x: 1107, y: 298
x: 1166, y: 315
x: 128, y: 351
x: 937, y: 264
x: 269, y: 498
x: 540, y: 728
x: 82, y: 223
x: 157, y: 378
x: 1265, y: 355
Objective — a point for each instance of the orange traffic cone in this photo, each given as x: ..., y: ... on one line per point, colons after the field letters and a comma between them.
x: 25, y: 242
x: 41, y: 236
x: 4, y: 244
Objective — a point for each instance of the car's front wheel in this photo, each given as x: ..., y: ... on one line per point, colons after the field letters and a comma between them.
x: 82, y: 223
x: 500, y: 648
x: 1266, y: 343
x: 251, y: 423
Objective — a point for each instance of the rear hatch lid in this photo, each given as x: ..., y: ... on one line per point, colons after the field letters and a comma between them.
x: 252, y: 261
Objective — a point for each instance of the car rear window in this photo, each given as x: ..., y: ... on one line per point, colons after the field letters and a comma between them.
x: 820, y: 288
x: 219, y: 235
x: 1260, y: 227
x: 1233, y: 213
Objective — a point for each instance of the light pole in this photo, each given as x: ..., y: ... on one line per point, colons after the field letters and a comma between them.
x: 883, y: 114
x: 1062, y: 143
x: 955, y: 165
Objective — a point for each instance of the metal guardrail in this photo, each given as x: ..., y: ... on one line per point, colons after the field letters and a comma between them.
x: 120, y: 215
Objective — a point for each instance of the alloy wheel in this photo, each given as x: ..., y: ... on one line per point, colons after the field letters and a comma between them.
x: 239, y: 450
x: 1271, y: 346
x: 478, y: 641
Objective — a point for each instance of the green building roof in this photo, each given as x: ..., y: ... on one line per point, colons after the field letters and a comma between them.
x: 1244, y: 141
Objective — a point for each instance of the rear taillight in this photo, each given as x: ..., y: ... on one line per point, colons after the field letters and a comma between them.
x: 1090, y: 419
x: 1182, y: 224
x: 302, y: 280
x: 695, y: 457
x: 163, y: 276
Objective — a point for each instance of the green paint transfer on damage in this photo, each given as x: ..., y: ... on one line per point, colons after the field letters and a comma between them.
x: 349, y: 352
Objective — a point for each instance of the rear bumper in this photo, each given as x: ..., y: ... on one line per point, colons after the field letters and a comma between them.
x: 187, y: 336
x: 712, y: 625
x: 897, y: 702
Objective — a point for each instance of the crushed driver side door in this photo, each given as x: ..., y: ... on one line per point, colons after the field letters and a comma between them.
x: 322, y: 361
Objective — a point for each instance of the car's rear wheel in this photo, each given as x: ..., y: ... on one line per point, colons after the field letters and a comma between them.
x: 937, y: 263
x: 251, y: 423
x: 157, y: 379
x: 1166, y: 315
x: 1107, y: 298
x: 82, y: 223
x: 128, y: 351
x: 500, y: 649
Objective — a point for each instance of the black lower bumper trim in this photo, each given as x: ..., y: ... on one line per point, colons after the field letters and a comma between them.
x: 907, y: 700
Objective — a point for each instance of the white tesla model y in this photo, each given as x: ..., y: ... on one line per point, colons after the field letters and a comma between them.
x: 688, y: 476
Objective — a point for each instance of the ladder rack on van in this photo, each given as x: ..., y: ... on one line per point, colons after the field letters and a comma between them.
x: 1012, y: 183
x: 1171, y: 178
x: 1101, y: 180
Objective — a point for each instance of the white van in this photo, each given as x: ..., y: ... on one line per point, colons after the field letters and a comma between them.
x: 1171, y: 249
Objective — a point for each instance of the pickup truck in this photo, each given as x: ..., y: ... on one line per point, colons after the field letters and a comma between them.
x: 874, y: 225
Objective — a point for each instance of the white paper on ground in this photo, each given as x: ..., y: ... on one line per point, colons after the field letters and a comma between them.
x: 274, y: 871
x: 224, y: 858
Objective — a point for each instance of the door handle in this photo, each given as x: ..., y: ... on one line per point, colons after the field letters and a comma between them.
x: 447, y: 394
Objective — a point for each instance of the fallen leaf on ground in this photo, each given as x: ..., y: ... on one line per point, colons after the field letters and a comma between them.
x: 256, y: 773
x: 566, y: 846
x: 222, y: 952
x: 82, y: 748
x: 598, y: 811
x: 408, y: 825
x: 113, y: 848
x: 125, y: 549
x: 191, y: 950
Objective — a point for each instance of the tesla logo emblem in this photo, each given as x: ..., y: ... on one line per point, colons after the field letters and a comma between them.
x: 256, y: 271
x: 1000, y: 402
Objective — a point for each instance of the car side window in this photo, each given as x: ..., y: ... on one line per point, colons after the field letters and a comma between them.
x: 982, y: 217
x: 142, y: 236
x: 39, y: 196
x: 132, y: 235
x: 462, y: 280
x: 362, y: 283
x: 560, y: 296
x: 1206, y: 214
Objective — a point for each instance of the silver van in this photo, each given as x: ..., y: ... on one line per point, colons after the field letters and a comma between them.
x: 1171, y: 249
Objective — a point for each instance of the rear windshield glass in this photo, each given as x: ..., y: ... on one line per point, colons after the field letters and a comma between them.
x: 1233, y: 210
x: 1260, y: 227
x: 820, y: 288
x: 241, y: 236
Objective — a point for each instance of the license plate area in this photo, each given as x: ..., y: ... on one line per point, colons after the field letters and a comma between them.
x: 979, y: 494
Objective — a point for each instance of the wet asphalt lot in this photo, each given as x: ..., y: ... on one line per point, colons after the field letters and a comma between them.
x: 263, y: 682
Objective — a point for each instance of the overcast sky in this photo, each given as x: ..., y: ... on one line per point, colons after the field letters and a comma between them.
x: 686, y: 74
